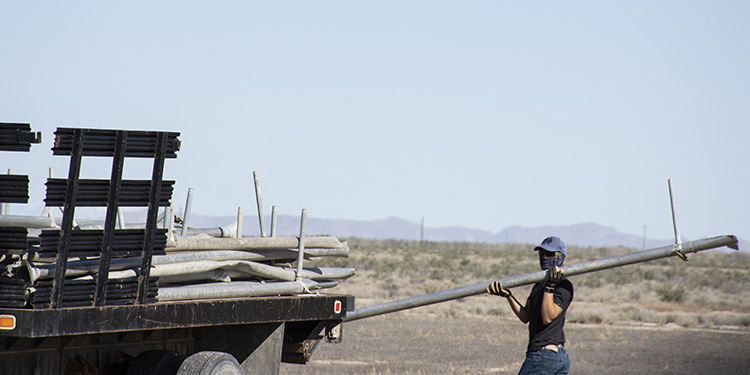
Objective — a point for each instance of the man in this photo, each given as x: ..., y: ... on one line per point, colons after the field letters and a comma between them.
x: 545, y: 312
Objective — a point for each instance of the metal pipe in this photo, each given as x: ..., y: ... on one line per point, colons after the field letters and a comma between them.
x: 27, y: 221
x: 273, y: 221
x: 120, y: 219
x: 259, y: 200
x: 240, y: 219
x: 186, y: 213
x: 534, y: 277
x: 225, y: 231
x: 249, y: 243
x: 677, y: 239
x: 239, y: 289
x: 301, y: 248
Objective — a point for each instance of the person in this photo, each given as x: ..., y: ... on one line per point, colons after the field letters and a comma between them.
x: 544, y: 312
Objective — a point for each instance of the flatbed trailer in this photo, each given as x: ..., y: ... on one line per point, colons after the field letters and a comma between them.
x: 207, y: 336
x: 259, y: 332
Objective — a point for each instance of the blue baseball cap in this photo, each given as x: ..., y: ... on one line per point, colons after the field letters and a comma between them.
x: 552, y: 244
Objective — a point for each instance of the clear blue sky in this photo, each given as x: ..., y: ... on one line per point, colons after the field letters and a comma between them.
x: 483, y: 114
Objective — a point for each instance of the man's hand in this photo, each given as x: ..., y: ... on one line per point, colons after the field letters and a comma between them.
x: 554, y: 276
x: 496, y: 289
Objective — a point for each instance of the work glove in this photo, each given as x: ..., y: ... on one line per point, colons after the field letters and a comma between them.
x: 554, y: 276
x: 496, y: 289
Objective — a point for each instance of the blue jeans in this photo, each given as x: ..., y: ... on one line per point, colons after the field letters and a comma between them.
x: 546, y: 362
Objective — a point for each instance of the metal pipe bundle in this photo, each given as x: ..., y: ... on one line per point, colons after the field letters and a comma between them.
x: 13, y: 239
x: 102, y: 142
x: 534, y: 277
x: 14, y: 188
x: 95, y: 193
x: 88, y: 243
x: 32, y: 272
x: 17, y: 137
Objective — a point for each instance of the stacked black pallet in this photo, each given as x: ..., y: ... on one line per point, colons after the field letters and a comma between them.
x: 13, y: 292
x: 80, y: 292
x: 17, y: 137
x: 13, y: 240
x: 101, y: 142
x: 14, y: 188
x: 88, y: 243
x: 95, y: 193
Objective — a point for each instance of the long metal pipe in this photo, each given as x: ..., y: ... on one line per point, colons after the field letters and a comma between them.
x: 186, y: 213
x: 259, y: 201
x: 248, y: 243
x: 534, y: 277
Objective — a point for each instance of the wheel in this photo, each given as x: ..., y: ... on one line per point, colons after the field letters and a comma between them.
x: 156, y: 362
x: 210, y: 363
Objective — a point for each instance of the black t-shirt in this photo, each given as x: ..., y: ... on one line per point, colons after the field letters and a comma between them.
x: 541, y: 335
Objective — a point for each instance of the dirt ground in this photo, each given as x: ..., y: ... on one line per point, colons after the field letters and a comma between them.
x: 410, y: 344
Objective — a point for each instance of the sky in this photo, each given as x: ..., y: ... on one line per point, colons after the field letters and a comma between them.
x: 478, y: 114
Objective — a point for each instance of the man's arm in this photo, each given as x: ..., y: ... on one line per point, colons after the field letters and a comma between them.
x: 519, y: 310
x: 497, y: 289
x: 550, y: 310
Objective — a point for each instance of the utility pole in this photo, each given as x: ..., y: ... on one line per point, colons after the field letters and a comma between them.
x: 421, y: 232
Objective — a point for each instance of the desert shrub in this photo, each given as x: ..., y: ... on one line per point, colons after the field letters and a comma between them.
x: 670, y: 294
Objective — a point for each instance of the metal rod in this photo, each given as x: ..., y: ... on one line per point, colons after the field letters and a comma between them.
x: 677, y: 239
x: 531, y: 278
x: 240, y: 219
x: 76, y: 154
x: 113, y: 206
x: 168, y: 215
x: 259, y: 200
x: 151, y: 217
x: 301, y: 248
x: 186, y: 212
x: 273, y: 220
x: 248, y: 243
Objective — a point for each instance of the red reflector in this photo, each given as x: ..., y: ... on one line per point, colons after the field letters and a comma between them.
x: 337, y: 307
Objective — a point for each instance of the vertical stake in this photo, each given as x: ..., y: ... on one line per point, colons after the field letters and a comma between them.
x: 259, y: 200
x: 273, y: 221
x: 677, y: 239
x: 301, y: 250
x: 240, y: 219
x: 186, y: 213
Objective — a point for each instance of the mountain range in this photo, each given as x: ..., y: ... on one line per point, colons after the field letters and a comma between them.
x: 581, y: 234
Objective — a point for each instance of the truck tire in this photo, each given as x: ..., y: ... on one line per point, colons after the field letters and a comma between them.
x: 156, y: 362
x: 210, y: 363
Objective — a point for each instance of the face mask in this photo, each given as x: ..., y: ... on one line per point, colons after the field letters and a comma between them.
x: 547, y: 263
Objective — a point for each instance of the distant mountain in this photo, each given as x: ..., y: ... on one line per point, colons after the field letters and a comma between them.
x: 582, y: 234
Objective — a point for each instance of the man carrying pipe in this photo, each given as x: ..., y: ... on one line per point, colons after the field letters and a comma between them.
x: 544, y: 312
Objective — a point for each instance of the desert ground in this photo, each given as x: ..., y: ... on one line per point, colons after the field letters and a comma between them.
x: 661, y: 317
x: 410, y: 344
